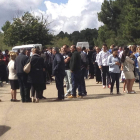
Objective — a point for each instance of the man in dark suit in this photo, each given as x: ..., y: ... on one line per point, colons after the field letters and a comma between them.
x: 58, y: 70
x: 20, y: 62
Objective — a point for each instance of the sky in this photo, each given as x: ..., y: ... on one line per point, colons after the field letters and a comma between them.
x: 64, y: 15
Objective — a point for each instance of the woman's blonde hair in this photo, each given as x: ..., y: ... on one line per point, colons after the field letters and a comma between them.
x: 13, y: 55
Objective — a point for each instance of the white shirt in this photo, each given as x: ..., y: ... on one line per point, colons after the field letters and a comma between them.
x: 103, y: 57
x: 12, y: 71
x: 97, y: 58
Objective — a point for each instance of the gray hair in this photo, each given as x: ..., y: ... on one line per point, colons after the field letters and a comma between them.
x: 56, y: 49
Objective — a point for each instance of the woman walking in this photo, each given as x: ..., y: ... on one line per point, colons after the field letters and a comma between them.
x: 13, y: 77
x: 35, y: 77
x: 114, y: 69
x: 128, y: 69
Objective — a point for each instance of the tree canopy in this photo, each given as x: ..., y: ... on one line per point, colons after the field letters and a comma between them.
x: 121, y: 20
x: 27, y: 29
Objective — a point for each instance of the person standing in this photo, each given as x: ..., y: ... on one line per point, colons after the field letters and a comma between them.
x: 3, y: 71
x: 75, y: 67
x: 95, y: 58
x: 91, y: 66
x: 6, y: 59
x: 20, y: 62
x: 103, y: 56
x: 58, y: 70
x: 114, y: 69
x: 35, y: 76
x: 13, y: 77
x: 84, y: 66
x: 67, y: 55
x: 128, y: 69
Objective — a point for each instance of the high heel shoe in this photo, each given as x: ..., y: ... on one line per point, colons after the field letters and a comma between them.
x: 37, y: 100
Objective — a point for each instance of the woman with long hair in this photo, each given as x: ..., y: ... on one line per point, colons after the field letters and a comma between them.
x: 13, y: 77
x: 128, y: 69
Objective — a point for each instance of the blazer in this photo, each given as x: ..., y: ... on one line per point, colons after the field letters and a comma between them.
x: 20, y: 62
x: 58, y: 67
x: 75, y: 61
x: 36, y: 74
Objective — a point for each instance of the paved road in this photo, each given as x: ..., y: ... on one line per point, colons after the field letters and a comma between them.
x: 99, y: 116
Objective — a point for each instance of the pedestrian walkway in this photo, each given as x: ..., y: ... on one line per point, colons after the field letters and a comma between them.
x: 98, y: 116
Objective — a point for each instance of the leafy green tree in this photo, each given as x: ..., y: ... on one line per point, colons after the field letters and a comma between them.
x: 27, y: 30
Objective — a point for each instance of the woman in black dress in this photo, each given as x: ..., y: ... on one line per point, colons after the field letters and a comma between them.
x: 36, y: 77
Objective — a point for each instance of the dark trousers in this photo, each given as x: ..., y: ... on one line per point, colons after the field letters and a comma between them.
x: 91, y: 70
x: 24, y: 87
x: 76, y: 82
x: 59, y: 85
x: 98, y: 73
x: 114, y: 77
x: 33, y: 91
x: 105, y: 73
x: 82, y: 86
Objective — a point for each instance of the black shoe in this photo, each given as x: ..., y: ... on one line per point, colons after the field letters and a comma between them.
x: 47, y: 83
x: 58, y: 99
x: 44, y: 97
x: 16, y: 100
x: 11, y: 100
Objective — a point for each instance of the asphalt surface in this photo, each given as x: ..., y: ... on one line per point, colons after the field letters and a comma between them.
x: 98, y: 116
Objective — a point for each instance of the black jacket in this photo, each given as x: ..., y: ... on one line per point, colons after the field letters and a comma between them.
x: 94, y: 57
x: 90, y: 53
x: 20, y: 62
x: 58, y: 67
x: 36, y: 73
x: 75, y: 61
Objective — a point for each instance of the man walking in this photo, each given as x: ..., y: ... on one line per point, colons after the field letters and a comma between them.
x: 20, y: 62
x: 75, y: 67
x: 58, y: 70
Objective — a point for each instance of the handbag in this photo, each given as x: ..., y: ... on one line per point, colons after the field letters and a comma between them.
x: 27, y: 67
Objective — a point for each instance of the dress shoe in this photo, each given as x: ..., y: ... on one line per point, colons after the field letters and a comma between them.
x: 71, y: 96
x: 79, y: 96
x: 58, y: 99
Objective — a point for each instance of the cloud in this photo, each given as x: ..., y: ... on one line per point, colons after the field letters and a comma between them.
x: 74, y: 15
x: 11, y: 8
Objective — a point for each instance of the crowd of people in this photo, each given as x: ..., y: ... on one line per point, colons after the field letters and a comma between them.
x: 70, y: 66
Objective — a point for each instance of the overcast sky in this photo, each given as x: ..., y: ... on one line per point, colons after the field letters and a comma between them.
x: 65, y: 15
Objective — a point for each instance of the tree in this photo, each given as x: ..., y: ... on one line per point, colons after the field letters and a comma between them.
x: 121, y: 20
x: 59, y: 42
x: 27, y: 30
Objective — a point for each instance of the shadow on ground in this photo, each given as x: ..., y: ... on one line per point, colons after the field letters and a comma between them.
x: 88, y: 97
x: 4, y: 129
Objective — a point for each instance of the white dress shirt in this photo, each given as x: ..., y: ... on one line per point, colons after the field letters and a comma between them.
x: 103, y: 57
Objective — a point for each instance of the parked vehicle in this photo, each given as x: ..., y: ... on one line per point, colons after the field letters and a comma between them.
x: 30, y: 46
x: 83, y: 44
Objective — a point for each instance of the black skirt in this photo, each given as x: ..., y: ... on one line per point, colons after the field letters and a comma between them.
x: 14, y: 84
